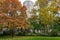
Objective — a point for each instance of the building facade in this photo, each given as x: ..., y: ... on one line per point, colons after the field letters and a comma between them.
x: 29, y: 5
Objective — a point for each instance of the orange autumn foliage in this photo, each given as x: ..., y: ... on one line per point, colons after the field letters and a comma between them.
x: 13, y: 6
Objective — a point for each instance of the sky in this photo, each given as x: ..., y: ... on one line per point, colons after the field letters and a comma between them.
x: 24, y: 0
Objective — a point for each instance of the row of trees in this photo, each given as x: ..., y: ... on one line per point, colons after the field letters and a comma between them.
x: 46, y: 17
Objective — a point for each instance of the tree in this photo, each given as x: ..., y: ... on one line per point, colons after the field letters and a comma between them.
x: 13, y: 14
x: 46, y: 14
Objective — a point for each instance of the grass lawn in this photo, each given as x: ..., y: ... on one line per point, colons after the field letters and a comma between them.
x: 29, y: 38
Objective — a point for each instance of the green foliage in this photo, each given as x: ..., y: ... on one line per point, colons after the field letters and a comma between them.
x: 46, y: 18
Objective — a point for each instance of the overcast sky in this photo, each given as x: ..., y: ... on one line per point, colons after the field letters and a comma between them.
x: 24, y: 0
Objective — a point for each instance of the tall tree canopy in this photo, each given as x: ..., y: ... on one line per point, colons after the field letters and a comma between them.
x: 13, y: 13
x: 44, y: 14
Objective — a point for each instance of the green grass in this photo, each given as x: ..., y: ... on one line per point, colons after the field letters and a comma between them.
x: 29, y: 38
